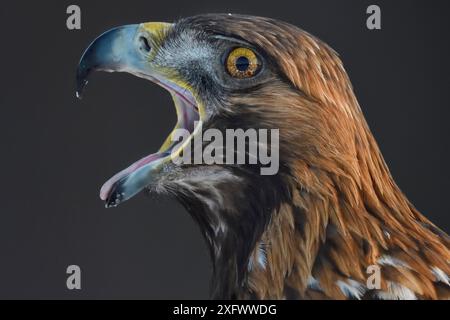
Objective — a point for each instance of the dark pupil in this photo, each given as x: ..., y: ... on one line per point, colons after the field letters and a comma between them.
x: 242, y: 63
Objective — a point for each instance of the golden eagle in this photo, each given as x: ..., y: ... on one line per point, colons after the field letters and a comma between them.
x: 310, y: 231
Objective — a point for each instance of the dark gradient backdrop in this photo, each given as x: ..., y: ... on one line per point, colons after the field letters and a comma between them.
x: 56, y: 151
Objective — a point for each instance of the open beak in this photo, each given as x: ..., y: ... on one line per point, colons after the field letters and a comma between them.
x: 129, y: 49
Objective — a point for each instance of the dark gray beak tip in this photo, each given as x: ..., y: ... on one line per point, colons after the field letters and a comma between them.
x: 82, y: 75
x: 80, y: 88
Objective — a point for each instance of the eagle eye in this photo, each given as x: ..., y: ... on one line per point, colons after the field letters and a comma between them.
x: 242, y: 63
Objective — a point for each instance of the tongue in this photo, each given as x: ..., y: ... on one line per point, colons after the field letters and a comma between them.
x: 108, y: 186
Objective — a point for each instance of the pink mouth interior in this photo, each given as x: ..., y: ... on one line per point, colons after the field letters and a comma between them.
x: 187, y: 116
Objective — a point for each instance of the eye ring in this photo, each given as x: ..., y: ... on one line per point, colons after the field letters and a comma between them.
x: 242, y: 63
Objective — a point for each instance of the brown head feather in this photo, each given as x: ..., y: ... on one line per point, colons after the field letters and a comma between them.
x: 345, y: 212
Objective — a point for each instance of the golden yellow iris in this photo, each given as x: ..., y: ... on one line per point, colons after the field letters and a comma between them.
x: 242, y: 63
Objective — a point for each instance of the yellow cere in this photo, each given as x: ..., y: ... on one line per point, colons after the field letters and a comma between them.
x: 156, y: 27
x: 242, y: 63
x: 157, y: 32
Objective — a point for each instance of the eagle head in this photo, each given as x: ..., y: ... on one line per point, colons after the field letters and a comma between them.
x: 323, y: 214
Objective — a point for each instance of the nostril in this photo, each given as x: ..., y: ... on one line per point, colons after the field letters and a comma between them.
x: 145, y: 45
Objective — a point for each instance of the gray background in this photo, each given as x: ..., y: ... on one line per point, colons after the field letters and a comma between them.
x: 56, y: 151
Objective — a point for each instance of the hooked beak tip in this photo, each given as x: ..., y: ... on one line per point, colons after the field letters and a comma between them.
x: 81, y: 80
x: 80, y: 88
x: 108, y: 52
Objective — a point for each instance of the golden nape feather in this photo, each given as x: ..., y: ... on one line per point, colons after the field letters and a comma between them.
x: 331, y: 223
